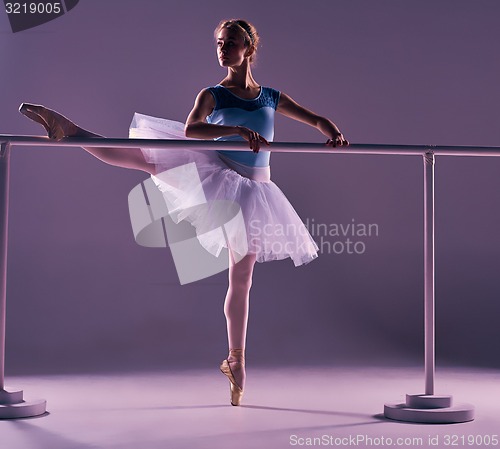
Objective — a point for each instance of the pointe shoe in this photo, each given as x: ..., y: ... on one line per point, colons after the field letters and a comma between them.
x: 235, y: 389
x: 56, y: 125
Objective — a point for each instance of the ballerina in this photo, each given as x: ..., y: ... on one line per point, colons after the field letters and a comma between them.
x: 237, y: 108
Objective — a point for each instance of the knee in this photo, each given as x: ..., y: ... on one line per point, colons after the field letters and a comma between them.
x: 240, y: 274
x: 241, y: 282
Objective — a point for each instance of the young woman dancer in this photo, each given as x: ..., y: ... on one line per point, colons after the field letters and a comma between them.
x: 238, y: 108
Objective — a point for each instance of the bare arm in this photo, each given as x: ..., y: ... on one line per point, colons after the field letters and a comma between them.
x: 290, y: 108
x: 197, y: 126
x: 196, y: 123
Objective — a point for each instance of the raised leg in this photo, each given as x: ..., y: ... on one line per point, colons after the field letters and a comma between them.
x: 59, y: 126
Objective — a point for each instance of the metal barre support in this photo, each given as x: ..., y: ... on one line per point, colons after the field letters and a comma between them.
x: 4, y: 222
x: 418, y: 408
x: 429, y: 274
x: 428, y: 407
x: 12, y: 403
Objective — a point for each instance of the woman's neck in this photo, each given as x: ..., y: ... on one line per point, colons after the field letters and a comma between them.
x: 240, y: 77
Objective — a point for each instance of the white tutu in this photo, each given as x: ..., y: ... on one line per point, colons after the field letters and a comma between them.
x: 271, y: 227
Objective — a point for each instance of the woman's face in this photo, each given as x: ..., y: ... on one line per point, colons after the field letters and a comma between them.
x: 231, y: 48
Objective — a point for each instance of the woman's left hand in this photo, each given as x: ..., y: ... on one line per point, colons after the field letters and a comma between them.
x: 337, y: 141
x: 254, y: 138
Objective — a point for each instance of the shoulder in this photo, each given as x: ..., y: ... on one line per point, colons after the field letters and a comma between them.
x: 204, y: 104
x: 208, y: 92
x: 217, y: 95
x: 271, y: 96
x: 212, y: 89
x: 270, y: 90
x: 206, y: 97
x: 285, y: 101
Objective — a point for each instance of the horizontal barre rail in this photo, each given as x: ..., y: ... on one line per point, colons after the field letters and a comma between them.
x: 287, y: 147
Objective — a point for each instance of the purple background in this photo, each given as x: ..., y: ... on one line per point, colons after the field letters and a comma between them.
x: 83, y: 296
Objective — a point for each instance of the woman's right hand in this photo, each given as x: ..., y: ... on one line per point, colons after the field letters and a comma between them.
x: 254, y: 139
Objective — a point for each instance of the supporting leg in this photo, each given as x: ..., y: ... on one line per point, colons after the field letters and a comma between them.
x: 236, y: 304
x: 236, y: 307
x: 12, y: 404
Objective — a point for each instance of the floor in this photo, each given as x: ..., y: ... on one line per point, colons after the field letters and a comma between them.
x: 282, y: 408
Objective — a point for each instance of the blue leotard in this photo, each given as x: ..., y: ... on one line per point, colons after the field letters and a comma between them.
x: 256, y: 114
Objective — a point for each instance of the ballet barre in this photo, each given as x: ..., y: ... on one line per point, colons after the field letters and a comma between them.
x: 424, y: 408
x: 275, y: 147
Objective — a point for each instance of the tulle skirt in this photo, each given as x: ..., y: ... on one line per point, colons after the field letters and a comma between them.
x: 231, y: 205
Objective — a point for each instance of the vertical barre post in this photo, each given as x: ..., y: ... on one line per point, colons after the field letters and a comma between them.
x: 429, y: 273
x: 12, y: 403
x: 4, y: 220
x: 428, y: 407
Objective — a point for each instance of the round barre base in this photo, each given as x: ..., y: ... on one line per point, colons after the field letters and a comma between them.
x: 12, y: 406
x: 429, y: 409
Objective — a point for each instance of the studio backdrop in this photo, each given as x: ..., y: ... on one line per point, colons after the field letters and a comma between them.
x: 83, y: 296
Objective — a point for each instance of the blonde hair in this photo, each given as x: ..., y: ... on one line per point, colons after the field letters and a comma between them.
x: 245, y: 29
